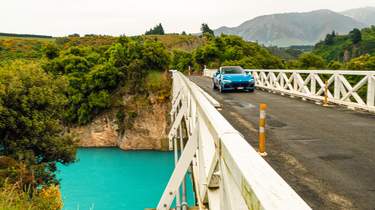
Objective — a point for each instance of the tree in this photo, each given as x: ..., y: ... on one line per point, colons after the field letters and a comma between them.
x: 51, y: 51
x: 74, y: 35
x: 329, y: 40
x: 157, y: 30
x: 181, y: 60
x: 311, y: 61
x: 31, y: 129
x: 206, y: 30
x: 355, y: 36
x: 335, y: 65
x: 183, y: 33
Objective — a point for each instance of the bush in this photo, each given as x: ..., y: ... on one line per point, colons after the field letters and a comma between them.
x: 13, y: 197
x: 311, y: 61
x: 364, y: 62
x: 181, y: 60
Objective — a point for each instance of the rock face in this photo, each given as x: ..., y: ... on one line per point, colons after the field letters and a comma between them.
x: 102, y: 132
x: 148, y: 132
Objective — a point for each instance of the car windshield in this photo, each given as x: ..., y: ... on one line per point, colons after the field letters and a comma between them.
x: 233, y: 70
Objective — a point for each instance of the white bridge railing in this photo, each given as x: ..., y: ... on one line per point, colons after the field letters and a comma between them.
x: 355, y: 89
x: 228, y: 174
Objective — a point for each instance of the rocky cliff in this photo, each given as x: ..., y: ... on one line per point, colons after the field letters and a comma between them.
x: 148, y: 130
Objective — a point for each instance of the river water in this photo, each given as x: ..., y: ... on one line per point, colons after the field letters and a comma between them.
x: 111, y: 179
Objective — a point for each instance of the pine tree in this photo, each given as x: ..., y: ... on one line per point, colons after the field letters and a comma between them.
x: 356, y: 36
x: 157, y: 30
x: 206, y: 30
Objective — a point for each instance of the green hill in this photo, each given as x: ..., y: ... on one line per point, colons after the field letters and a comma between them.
x: 343, y: 48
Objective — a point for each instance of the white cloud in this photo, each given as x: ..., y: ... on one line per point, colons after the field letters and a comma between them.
x: 134, y: 17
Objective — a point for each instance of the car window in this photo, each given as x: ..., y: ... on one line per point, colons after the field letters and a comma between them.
x: 232, y: 70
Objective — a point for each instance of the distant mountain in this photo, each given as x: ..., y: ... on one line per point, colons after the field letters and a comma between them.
x: 293, y: 28
x: 365, y: 15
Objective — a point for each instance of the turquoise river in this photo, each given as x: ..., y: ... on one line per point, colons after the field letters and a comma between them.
x: 112, y: 179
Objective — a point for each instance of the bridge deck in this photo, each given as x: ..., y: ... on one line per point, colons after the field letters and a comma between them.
x: 326, y: 154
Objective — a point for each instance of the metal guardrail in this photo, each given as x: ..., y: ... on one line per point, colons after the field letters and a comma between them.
x: 228, y: 173
x: 355, y: 89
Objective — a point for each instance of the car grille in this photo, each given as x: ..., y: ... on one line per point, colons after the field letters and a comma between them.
x: 239, y: 84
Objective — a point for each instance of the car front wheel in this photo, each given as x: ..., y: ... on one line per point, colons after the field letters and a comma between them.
x: 213, y: 85
x: 221, y: 88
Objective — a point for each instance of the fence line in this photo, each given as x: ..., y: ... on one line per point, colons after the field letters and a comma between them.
x: 355, y: 89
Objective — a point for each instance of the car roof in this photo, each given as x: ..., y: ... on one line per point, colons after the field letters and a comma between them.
x: 230, y: 66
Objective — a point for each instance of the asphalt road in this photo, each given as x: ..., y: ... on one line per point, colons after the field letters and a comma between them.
x: 326, y: 154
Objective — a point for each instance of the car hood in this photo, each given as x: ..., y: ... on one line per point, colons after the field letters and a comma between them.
x: 237, y: 77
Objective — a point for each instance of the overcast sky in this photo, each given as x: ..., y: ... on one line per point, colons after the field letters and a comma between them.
x: 132, y: 17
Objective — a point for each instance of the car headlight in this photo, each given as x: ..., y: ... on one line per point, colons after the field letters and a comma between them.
x: 226, y: 81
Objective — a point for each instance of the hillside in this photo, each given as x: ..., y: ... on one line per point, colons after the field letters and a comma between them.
x: 293, y: 28
x: 170, y: 41
x: 364, y: 15
x: 342, y: 47
x: 16, y: 47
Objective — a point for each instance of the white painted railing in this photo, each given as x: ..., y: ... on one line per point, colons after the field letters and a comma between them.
x: 228, y: 173
x: 310, y: 84
x: 209, y: 72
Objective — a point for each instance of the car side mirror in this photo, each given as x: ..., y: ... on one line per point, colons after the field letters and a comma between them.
x: 217, y: 73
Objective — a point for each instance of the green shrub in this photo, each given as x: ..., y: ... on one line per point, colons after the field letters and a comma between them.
x: 13, y: 197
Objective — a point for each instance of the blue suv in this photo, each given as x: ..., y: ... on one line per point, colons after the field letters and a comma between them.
x: 233, y: 78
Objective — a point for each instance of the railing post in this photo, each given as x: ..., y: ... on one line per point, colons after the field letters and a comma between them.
x: 295, y: 84
x: 313, y: 84
x: 282, y: 81
x: 325, y: 101
x: 337, y: 89
x: 178, y: 205
x: 371, y: 90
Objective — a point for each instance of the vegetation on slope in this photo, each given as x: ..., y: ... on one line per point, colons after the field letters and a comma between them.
x: 345, y: 47
x: 225, y: 50
x: 16, y: 48
x: 94, y: 74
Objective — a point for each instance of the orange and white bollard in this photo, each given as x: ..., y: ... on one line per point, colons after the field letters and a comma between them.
x: 262, y: 130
